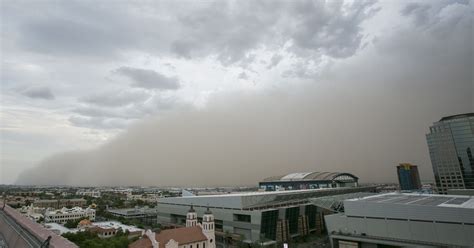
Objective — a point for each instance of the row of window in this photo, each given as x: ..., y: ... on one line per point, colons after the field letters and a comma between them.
x: 196, y: 245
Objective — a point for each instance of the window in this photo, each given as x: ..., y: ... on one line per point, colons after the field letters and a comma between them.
x: 269, y: 222
x: 242, y: 217
x: 292, y: 215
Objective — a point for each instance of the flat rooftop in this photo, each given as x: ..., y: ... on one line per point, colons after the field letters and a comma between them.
x: 117, y: 225
x: 453, y: 201
x: 410, y: 206
x: 248, y: 200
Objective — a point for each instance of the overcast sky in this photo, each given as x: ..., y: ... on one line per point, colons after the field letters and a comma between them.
x: 226, y: 92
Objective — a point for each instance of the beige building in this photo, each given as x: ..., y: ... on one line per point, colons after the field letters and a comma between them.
x: 194, y: 235
x: 61, y: 203
x: 64, y: 215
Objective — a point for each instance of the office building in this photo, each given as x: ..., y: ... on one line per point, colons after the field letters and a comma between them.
x: 404, y: 220
x: 309, y: 180
x: 408, y: 177
x: 451, y: 146
x: 266, y: 217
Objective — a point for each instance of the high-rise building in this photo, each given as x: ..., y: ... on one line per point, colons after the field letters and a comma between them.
x: 408, y: 177
x: 451, y: 145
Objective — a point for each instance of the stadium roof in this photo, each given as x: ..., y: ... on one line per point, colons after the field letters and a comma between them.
x: 309, y: 176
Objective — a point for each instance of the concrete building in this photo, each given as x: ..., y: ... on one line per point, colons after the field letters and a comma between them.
x: 91, y: 193
x: 309, y: 180
x: 132, y: 213
x: 194, y: 235
x: 408, y: 177
x: 451, y: 146
x: 61, y: 203
x: 254, y: 216
x: 32, y: 212
x: 64, y: 215
x: 404, y: 220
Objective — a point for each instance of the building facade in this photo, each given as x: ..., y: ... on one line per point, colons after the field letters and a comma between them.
x: 404, y: 220
x: 64, y: 215
x: 61, y: 203
x: 451, y: 146
x: 408, y: 177
x: 194, y: 235
x: 309, y: 180
x: 91, y: 193
x: 266, y: 217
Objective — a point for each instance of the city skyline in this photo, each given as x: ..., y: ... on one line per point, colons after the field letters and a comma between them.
x: 223, y: 93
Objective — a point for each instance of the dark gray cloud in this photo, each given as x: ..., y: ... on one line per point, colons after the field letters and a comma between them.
x: 40, y: 92
x: 232, y: 30
x: 226, y: 30
x: 329, y: 28
x: 274, y: 61
x: 149, y: 79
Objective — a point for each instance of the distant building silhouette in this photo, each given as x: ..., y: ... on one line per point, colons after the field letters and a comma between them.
x: 451, y: 145
x: 408, y: 176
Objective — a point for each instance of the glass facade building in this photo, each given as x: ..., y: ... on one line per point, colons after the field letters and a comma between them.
x: 451, y: 146
x: 408, y: 177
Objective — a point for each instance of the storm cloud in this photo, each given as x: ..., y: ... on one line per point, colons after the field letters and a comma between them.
x: 149, y: 79
x: 227, y: 92
x: 376, y: 116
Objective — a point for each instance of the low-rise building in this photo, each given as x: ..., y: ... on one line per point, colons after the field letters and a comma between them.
x: 61, y: 203
x: 107, y: 226
x: 91, y: 193
x: 64, y: 215
x: 32, y: 212
x: 404, y: 220
x: 132, y: 213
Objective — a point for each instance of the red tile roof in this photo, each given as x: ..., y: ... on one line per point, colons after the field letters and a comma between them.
x: 183, y: 235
